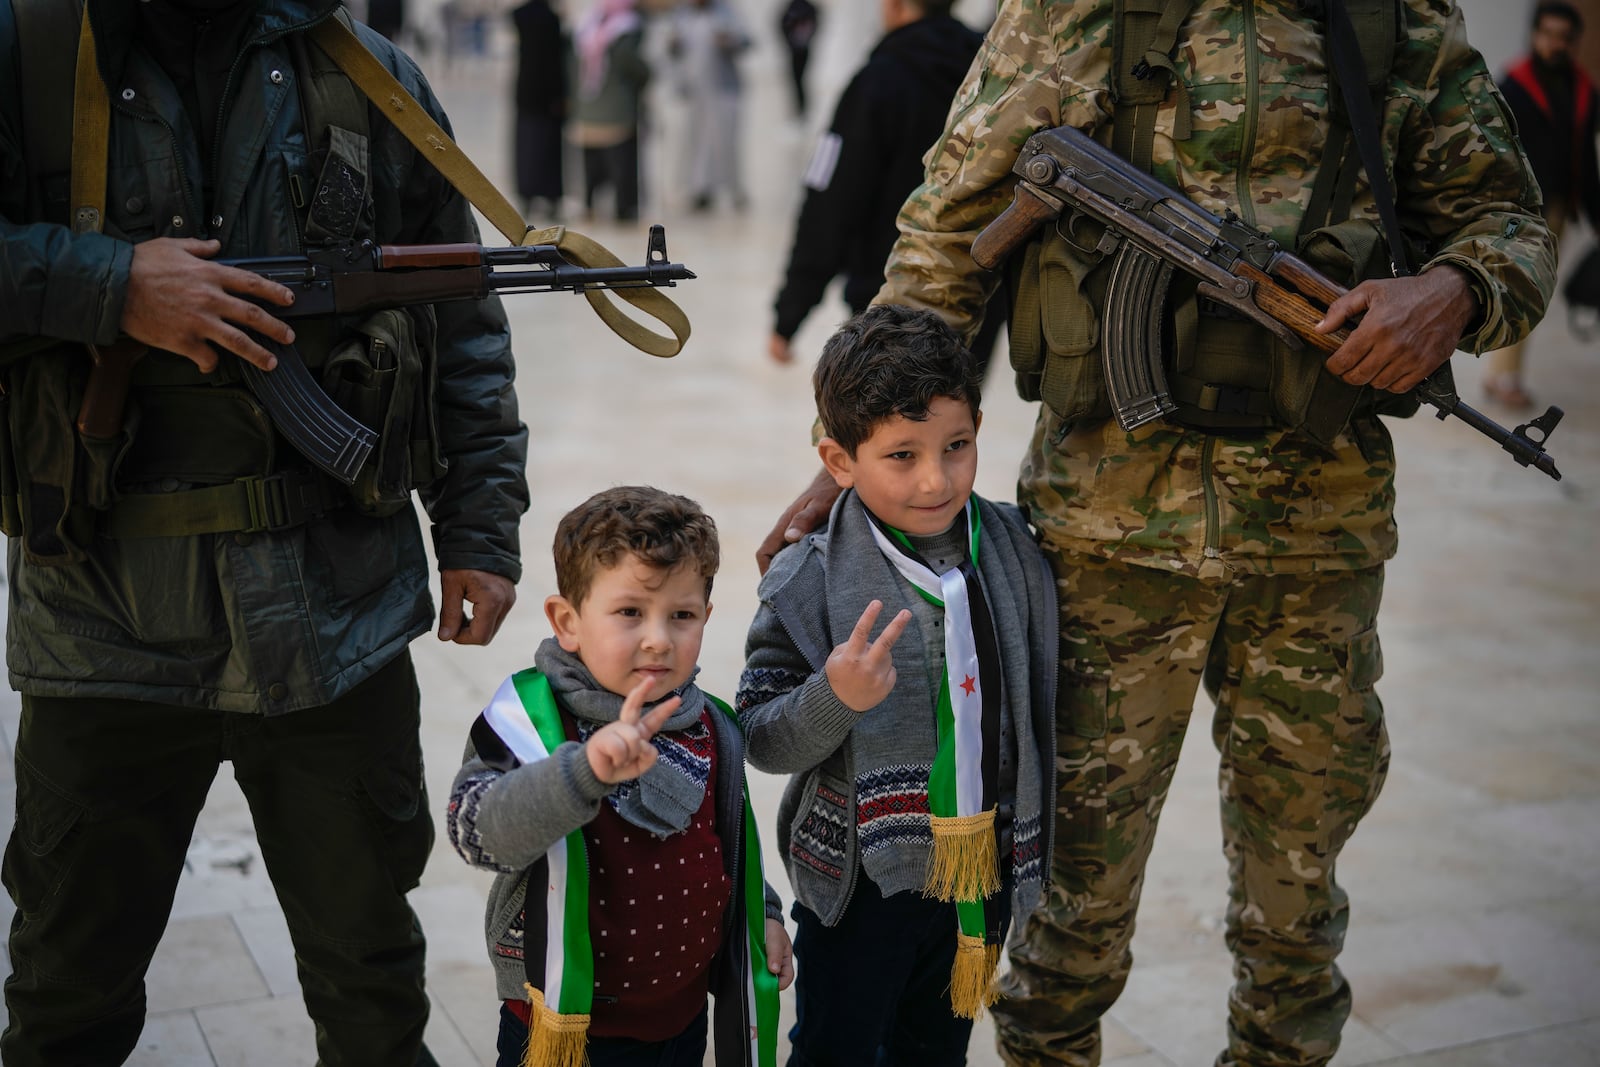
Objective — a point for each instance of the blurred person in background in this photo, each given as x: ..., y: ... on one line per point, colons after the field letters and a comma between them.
x: 1558, y: 116
x: 541, y: 108
x: 870, y: 160
x: 797, y: 24
x: 707, y: 38
x: 608, y: 102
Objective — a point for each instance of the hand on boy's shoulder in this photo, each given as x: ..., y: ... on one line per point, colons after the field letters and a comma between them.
x: 861, y: 670
x: 621, y: 750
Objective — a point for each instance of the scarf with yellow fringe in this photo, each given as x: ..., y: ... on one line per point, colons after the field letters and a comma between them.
x: 964, y: 782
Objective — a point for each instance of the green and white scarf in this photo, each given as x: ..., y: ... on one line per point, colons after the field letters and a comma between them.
x: 964, y: 783
x: 558, y: 950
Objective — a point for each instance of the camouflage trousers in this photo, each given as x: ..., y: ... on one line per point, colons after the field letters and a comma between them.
x: 1291, y: 660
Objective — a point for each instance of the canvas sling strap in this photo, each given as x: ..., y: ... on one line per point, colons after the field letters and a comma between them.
x: 91, y: 140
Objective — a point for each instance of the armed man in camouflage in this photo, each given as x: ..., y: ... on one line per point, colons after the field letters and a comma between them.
x: 1241, y: 540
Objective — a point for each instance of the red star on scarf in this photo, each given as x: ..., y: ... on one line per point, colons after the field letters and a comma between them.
x: 969, y: 685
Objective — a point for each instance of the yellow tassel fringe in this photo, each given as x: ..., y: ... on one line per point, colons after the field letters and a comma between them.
x: 972, y: 985
x: 962, y: 864
x: 554, y: 1040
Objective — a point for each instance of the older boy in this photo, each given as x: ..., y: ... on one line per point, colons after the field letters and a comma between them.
x: 629, y: 824
x: 918, y: 817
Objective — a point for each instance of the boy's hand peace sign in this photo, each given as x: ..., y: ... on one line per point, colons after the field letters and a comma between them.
x: 860, y: 671
x: 622, y: 750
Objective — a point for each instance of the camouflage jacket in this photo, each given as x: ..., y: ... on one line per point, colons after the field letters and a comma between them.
x: 1259, y: 95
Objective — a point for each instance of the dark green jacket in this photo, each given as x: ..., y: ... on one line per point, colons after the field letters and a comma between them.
x: 265, y: 622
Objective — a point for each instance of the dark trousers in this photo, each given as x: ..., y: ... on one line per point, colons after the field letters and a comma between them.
x: 875, y: 989
x: 688, y: 1049
x: 107, y: 796
x: 618, y: 166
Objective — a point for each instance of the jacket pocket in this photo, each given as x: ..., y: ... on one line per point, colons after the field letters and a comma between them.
x: 819, y: 837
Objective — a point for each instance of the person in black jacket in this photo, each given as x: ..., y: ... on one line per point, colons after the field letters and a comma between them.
x: 870, y: 159
x: 1558, y: 116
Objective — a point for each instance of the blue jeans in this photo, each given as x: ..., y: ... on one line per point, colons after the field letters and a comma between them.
x: 875, y: 989
x: 688, y: 1049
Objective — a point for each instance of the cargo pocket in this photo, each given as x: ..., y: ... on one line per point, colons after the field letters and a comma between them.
x: 42, y: 855
x: 1080, y: 830
x: 395, y: 801
x: 1358, y: 758
x: 1304, y: 752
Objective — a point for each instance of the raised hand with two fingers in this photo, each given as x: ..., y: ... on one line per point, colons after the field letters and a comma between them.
x: 861, y: 671
x: 621, y: 750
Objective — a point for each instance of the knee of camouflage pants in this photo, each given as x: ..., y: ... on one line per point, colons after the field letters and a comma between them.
x: 1304, y: 755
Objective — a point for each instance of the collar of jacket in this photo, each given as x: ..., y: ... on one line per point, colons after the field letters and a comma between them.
x: 116, y: 26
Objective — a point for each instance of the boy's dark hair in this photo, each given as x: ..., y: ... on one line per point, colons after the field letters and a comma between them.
x: 887, y: 361
x: 1558, y: 9
x: 661, y: 529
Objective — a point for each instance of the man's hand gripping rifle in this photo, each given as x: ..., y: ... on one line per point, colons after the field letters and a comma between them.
x: 355, y: 279
x: 1150, y: 229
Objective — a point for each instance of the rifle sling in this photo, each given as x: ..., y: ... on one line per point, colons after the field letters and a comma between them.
x: 418, y: 127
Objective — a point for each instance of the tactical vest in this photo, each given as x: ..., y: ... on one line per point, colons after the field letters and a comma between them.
x: 59, y: 488
x: 1227, y: 374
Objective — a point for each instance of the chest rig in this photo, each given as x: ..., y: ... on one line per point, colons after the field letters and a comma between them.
x: 1227, y: 374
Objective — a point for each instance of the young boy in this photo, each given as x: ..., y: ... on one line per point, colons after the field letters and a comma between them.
x: 919, y: 817
x: 603, y: 780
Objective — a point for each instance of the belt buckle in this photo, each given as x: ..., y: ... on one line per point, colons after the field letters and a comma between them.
x: 281, y: 501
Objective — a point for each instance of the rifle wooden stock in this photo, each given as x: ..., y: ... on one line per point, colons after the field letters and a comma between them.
x: 1021, y: 219
x: 105, y: 396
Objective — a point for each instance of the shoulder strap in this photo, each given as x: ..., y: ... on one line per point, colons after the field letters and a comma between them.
x: 1345, y: 50
x: 412, y: 120
x: 1144, y: 36
x: 1374, y: 27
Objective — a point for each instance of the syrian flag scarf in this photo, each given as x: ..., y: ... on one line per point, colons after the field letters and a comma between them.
x: 558, y: 950
x: 964, y: 784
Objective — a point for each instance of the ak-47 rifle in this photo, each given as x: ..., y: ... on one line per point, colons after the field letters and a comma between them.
x: 354, y: 279
x: 1150, y: 229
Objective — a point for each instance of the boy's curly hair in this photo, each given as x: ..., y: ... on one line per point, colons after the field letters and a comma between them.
x: 660, y: 528
x: 887, y: 361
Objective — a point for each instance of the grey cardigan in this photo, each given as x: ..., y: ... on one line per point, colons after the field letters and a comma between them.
x: 795, y: 724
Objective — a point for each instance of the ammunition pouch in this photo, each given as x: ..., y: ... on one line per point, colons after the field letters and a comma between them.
x: 386, y: 375
x: 55, y: 478
x: 1054, y: 327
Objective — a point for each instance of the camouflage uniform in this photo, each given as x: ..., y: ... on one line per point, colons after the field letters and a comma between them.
x: 1254, y: 564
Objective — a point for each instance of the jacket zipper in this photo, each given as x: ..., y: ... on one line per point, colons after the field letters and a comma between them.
x: 1213, y: 554
x: 1247, y: 140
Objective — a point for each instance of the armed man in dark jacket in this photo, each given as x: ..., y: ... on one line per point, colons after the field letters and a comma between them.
x: 190, y: 590
x: 870, y: 159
